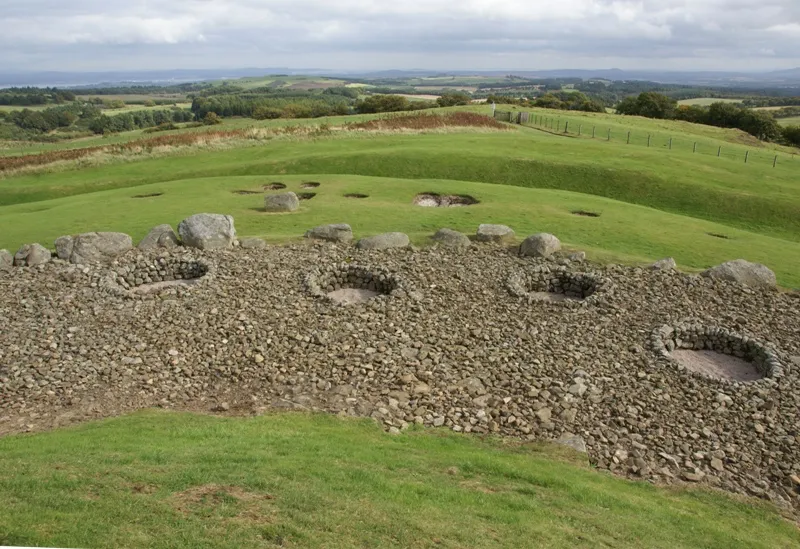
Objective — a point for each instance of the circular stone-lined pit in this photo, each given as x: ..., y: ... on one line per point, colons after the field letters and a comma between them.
x: 306, y: 196
x: 717, y: 235
x: 243, y: 192
x: 545, y: 283
x: 716, y: 353
x: 585, y: 213
x: 151, y: 195
x: 310, y: 185
x: 347, y: 284
x: 435, y: 200
x: 274, y: 186
x: 154, y: 275
x: 356, y: 195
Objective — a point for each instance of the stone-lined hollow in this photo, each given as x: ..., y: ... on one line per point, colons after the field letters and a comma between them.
x: 436, y: 200
x: 548, y: 283
x: 306, y: 196
x: 151, y: 195
x: 356, y: 195
x: 715, y: 352
x: 145, y: 276
x: 347, y: 284
x: 717, y: 235
x: 310, y: 185
x: 585, y: 213
x: 274, y: 186
x: 244, y: 192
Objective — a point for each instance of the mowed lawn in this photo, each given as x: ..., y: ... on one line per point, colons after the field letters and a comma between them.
x: 622, y: 232
x: 169, y: 480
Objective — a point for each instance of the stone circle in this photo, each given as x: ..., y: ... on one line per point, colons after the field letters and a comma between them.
x: 436, y: 200
x: 347, y: 284
x: 146, y: 275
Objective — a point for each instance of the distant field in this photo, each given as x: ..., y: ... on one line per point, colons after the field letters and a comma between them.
x: 134, y: 108
x: 791, y: 121
x: 130, y: 98
x: 706, y: 101
x: 419, y: 97
x: 471, y: 89
x: 9, y: 108
x: 293, y: 82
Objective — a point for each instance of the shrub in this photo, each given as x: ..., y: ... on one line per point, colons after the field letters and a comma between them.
x: 211, y: 119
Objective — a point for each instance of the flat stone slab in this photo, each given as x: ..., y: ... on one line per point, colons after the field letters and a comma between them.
x: 350, y: 296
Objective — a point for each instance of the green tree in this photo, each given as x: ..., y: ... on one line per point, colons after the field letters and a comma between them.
x: 452, y: 99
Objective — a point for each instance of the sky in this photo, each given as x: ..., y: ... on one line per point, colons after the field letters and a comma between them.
x: 97, y: 35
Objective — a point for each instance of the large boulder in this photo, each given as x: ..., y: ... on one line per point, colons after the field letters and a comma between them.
x: 494, y: 233
x: 448, y: 238
x: 159, y: 237
x: 384, y: 241
x: 337, y: 232
x: 207, y: 231
x: 743, y: 272
x: 93, y: 247
x: 31, y: 255
x: 6, y: 260
x: 283, y: 202
x: 666, y: 264
x: 540, y: 245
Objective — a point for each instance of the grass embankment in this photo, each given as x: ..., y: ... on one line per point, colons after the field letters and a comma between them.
x: 159, y: 479
x: 623, y: 232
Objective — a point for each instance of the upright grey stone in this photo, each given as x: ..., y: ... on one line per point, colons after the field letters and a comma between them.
x: 94, y: 247
x: 31, y: 255
x: 448, y: 238
x: 667, y: 264
x: 384, y: 241
x: 283, y: 202
x: 540, y: 245
x: 161, y: 236
x: 6, y: 260
x: 337, y: 232
x: 494, y: 233
x: 64, y: 245
x: 743, y: 272
x: 207, y: 231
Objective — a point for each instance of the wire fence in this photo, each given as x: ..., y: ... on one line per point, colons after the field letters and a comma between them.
x: 589, y: 129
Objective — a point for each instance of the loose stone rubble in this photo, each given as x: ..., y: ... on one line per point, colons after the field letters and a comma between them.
x: 448, y: 347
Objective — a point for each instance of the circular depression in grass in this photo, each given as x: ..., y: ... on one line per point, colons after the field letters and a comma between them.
x: 585, y: 213
x: 356, y: 195
x: 557, y: 284
x: 150, y: 195
x: 348, y: 284
x: 716, y: 353
x: 146, y: 276
x: 310, y: 185
x: 243, y: 192
x: 717, y: 235
x: 274, y: 186
x: 436, y: 200
x: 306, y: 196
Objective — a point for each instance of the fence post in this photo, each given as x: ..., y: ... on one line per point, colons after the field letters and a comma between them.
x: 648, y: 139
x: 670, y: 143
x: 775, y: 162
x: 746, y: 154
x: 593, y: 128
x: 580, y: 126
x: 558, y: 125
x: 566, y: 126
x: 609, y: 135
x: 629, y: 138
x: 694, y: 150
x: 719, y: 151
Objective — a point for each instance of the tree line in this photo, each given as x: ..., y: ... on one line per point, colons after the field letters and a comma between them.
x: 29, y: 97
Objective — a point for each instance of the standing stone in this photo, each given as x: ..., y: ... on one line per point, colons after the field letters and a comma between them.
x: 540, y: 245
x: 449, y: 238
x: 161, y: 236
x: 96, y: 247
x: 494, y: 233
x: 743, y: 272
x: 337, y: 232
x: 31, y: 255
x: 207, y: 231
x: 64, y: 247
x: 6, y: 260
x: 667, y: 264
x: 384, y: 241
x: 283, y: 202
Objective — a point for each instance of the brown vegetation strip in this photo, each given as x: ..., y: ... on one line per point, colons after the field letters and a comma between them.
x: 426, y: 121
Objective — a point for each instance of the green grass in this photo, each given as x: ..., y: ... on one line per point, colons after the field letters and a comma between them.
x: 161, y: 479
x: 623, y: 232
x: 791, y: 121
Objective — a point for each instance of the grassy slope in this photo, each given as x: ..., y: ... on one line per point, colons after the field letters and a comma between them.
x: 791, y: 121
x: 623, y: 232
x: 159, y: 479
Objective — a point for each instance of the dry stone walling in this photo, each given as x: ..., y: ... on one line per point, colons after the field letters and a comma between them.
x: 443, y: 344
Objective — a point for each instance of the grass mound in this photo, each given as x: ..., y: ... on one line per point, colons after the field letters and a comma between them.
x: 161, y: 479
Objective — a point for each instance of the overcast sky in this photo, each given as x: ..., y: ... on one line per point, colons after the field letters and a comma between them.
x: 399, y: 34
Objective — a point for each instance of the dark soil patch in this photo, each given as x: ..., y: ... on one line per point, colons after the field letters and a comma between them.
x: 151, y: 195
x: 274, y: 186
x: 584, y: 213
x: 722, y: 236
x: 436, y: 200
x: 246, y: 192
x: 310, y: 185
x: 356, y: 195
x: 306, y: 196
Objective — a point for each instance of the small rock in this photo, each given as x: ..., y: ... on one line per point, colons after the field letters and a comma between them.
x: 717, y: 465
